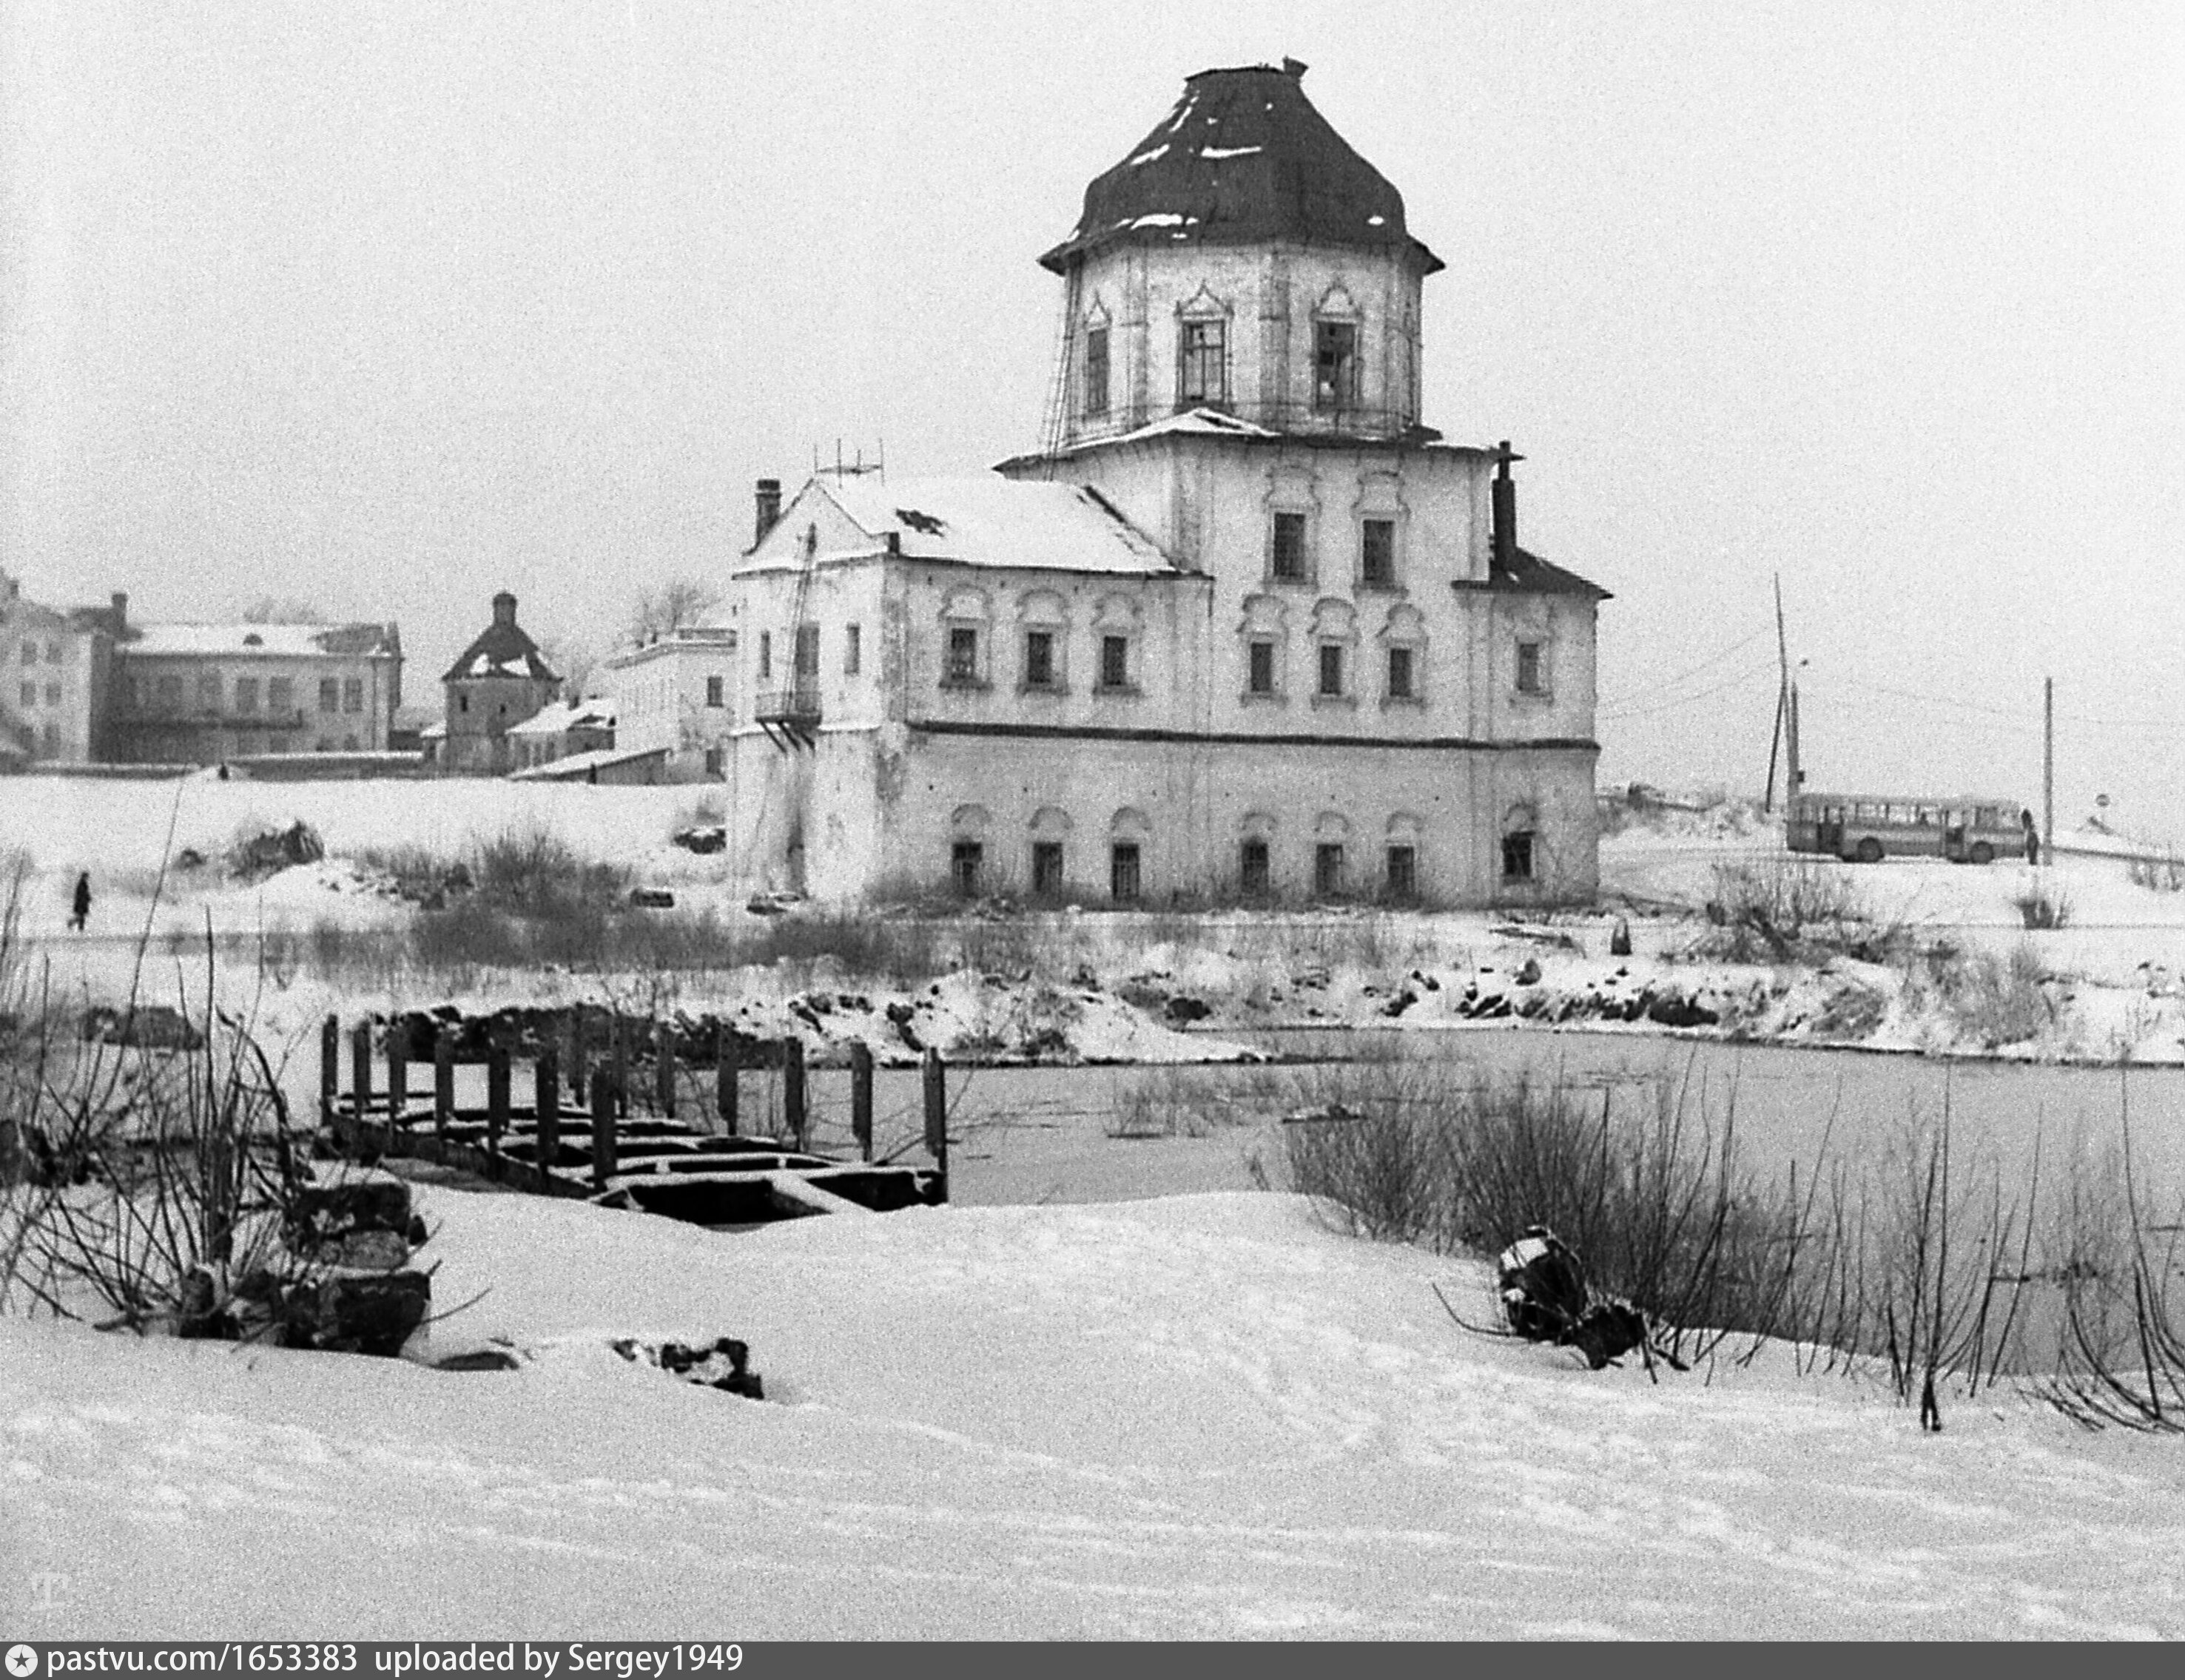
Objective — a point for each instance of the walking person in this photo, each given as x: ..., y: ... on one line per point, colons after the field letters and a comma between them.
x: 2033, y: 836
x: 81, y: 903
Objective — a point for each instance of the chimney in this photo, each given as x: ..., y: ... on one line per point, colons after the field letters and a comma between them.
x: 1504, y: 527
x: 769, y: 506
x: 504, y: 608
x: 120, y: 614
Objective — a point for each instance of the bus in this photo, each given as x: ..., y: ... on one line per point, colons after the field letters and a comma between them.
x: 1865, y: 828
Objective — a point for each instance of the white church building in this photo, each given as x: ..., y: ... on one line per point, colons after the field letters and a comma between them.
x: 1242, y: 626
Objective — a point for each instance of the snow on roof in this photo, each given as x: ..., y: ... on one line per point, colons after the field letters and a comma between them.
x: 501, y: 650
x: 309, y: 641
x: 1257, y: 163
x: 578, y: 764
x: 564, y: 716
x: 992, y: 521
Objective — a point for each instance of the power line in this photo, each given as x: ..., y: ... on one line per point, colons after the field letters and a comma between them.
x: 1745, y: 676
x: 1715, y: 658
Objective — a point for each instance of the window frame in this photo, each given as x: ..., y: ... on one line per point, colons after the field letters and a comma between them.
x: 1329, y: 662
x: 1408, y: 689
x: 717, y: 692
x: 1201, y: 341
x: 1520, y: 855
x: 1381, y: 527
x: 967, y: 860
x: 1404, y: 890
x: 1259, y: 651
x: 960, y: 657
x: 1039, y: 661
x: 1530, y: 676
x: 1297, y: 521
x: 1255, y: 867
x: 1094, y: 402
x: 1125, y: 863
x: 1327, y: 868
x: 853, y: 649
x: 1334, y: 393
x: 1115, y: 672
x: 1050, y: 876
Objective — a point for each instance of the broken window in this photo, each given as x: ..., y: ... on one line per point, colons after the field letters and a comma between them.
x: 1529, y: 669
x: 1202, y: 362
x: 853, y: 638
x: 1260, y: 676
x: 1254, y: 873
x: 1114, y: 662
x: 1039, y: 659
x: 1096, y: 370
x: 1399, y: 673
x: 963, y: 655
x: 1123, y: 872
x: 1517, y: 855
x: 1331, y: 669
x: 1046, y: 868
x: 1335, y: 365
x: 1327, y: 868
x: 1376, y: 554
x: 1403, y: 872
x: 1287, y: 562
x: 964, y: 859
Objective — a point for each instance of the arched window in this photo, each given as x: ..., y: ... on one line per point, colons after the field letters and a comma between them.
x: 1050, y: 836
x: 965, y: 619
x: 967, y: 827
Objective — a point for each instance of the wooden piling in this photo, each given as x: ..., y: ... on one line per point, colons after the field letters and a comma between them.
x: 935, y: 1079
x: 443, y: 1086
x: 546, y: 1111
x: 329, y: 1067
x: 580, y: 1055
x: 360, y: 1070
x: 496, y: 1099
x: 619, y: 1038
x: 603, y: 1128
x: 398, y: 1069
x: 663, y: 1066
x: 792, y: 1088
x: 861, y: 1097
x: 727, y: 1075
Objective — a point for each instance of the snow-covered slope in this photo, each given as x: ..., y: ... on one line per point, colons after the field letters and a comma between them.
x: 1201, y: 1416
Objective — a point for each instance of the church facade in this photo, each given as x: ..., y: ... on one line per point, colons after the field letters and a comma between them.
x: 1242, y: 626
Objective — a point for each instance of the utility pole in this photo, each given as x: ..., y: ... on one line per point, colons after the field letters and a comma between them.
x: 2049, y: 768
x: 1782, y: 709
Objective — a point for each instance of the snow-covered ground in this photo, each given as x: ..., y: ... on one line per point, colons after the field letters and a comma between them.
x: 1179, y: 1414
x: 1197, y: 1416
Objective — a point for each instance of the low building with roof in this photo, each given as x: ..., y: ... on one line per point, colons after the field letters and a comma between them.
x: 674, y: 694
x: 204, y: 693
x: 1242, y: 625
x: 500, y: 680
x: 566, y: 727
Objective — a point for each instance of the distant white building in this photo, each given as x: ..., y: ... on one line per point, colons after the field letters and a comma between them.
x: 674, y: 694
x: 1242, y: 626
x: 199, y: 694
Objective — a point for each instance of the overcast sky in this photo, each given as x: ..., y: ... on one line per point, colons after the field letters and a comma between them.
x: 389, y: 304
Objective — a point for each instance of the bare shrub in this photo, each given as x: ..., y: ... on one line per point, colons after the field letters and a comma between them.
x: 1992, y: 1000
x: 2043, y: 906
x: 1786, y: 909
x: 2165, y: 873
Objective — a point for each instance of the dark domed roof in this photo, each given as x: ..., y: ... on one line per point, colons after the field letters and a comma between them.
x: 1243, y: 158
